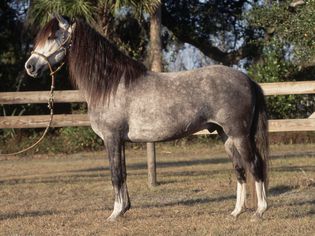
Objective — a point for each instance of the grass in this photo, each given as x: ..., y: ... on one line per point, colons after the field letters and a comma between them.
x: 72, y: 194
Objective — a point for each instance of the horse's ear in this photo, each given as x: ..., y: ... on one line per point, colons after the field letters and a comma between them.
x: 63, y: 23
x: 72, y: 27
x: 51, y: 16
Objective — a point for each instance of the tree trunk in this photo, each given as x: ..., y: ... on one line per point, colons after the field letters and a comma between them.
x: 155, y: 41
x: 156, y: 65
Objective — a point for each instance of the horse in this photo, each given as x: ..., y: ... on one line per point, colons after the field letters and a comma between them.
x: 129, y: 103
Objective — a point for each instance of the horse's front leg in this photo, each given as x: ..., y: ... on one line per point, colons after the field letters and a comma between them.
x: 116, y: 153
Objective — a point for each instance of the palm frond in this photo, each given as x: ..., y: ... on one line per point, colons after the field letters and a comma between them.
x: 148, y: 6
x: 38, y: 13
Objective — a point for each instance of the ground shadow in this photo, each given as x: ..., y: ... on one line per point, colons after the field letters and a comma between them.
x: 66, y: 179
x: 195, y: 161
x: 292, y: 155
x: 279, y: 189
x: 189, y: 202
x: 16, y: 215
x: 101, y: 173
x: 195, y: 172
x: 293, y: 168
x: 301, y: 203
x: 143, y: 165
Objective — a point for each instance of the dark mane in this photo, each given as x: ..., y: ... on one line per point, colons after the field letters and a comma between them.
x: 48, y: 30
x: 97, y: 66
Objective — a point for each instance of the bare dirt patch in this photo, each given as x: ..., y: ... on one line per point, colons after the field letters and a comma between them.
x: 72, y: 194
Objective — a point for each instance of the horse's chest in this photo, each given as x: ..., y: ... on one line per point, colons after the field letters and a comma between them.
x: 104, y: 123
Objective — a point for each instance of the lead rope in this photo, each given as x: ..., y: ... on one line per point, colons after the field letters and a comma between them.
x: 50, y: 106
x: 51, y: 98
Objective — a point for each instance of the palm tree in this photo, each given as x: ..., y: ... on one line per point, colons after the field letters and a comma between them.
x: 38, y: 11
x: 155, y: 41
x: 109, y: 8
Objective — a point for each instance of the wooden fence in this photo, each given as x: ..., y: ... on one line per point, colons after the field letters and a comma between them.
x: 38, y: 121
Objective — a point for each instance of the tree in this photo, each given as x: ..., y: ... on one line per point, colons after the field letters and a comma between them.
x: 290, y: 28
x: 205, y: 23
x: 97, y: 12
x: 13, y: 48
x: 288, y: 52
x: 155, y: 41
x: 112, y: 18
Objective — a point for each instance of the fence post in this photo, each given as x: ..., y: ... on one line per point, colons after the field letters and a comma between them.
x: 151, y: 160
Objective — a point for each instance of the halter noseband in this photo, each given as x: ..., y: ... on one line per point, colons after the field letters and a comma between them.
x: 62, y: 47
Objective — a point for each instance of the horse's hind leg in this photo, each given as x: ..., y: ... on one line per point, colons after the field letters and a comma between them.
x: 239, y: 171
x: 240, y: 174
x: 116, y: 154
x: 255, y: 165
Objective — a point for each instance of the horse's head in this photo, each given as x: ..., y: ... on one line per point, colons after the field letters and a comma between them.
x: 51, y: 46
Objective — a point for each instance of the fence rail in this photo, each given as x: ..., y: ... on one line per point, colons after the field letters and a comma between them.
x: 71, y: 120
x: 70, y: 96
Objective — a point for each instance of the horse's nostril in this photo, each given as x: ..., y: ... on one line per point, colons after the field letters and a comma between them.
x: 30, y: 67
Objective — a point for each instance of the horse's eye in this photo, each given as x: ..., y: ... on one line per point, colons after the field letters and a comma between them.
x: 52, y: 37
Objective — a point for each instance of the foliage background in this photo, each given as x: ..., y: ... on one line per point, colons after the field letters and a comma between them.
x: 270, y: 40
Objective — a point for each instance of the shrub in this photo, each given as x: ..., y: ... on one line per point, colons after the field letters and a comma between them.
x: 79, y: 139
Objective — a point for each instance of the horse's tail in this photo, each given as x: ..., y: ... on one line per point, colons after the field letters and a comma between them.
x: 260, y: 136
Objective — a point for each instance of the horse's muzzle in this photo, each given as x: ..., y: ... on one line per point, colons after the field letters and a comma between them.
x: 32, y: 69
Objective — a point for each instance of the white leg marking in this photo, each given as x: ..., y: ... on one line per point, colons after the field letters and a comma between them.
x: 240, y: 199
x: 261, y: 198
x: 118, y: 208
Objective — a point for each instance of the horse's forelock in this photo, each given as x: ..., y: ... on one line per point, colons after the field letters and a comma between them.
x: 49, y: 29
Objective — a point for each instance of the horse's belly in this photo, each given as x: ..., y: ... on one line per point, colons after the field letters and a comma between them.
x: 162, y: 131
x: 149, y: 136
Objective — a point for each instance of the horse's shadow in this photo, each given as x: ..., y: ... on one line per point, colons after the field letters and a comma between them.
x: 188, y: 202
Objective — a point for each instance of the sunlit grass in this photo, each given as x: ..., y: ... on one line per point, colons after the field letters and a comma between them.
x: 72, y: 194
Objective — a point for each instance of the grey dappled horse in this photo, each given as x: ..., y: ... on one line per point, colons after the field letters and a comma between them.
x: 129, y: 103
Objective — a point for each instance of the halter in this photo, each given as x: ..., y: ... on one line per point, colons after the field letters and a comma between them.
x: 62, y: 47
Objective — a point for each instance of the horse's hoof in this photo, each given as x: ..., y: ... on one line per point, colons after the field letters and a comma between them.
x: 236, y: 213
x: 111, y: 219
x: 256, y: 217
x: 231, y: 217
